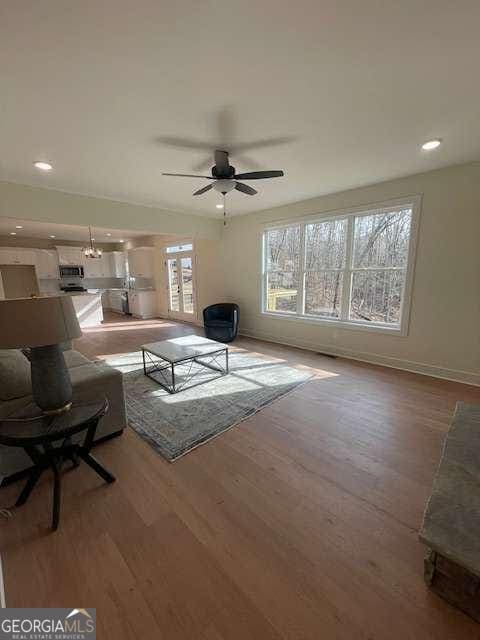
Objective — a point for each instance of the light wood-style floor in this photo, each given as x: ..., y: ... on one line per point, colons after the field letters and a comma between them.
x: 301, y: 523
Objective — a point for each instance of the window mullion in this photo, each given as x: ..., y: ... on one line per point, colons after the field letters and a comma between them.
x: 347, y: 273
x: 301, y: 273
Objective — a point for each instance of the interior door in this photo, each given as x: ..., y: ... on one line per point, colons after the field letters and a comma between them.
x: 181, y: 294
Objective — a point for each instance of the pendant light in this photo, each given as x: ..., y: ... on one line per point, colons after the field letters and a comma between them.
x: 91, y: 251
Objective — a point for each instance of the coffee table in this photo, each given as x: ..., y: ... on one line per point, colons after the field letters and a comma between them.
x: 161, y: 358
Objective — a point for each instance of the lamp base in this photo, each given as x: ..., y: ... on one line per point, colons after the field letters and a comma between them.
x: 51, y: 385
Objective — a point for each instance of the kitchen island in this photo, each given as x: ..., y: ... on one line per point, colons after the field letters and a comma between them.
x: 88, y: 307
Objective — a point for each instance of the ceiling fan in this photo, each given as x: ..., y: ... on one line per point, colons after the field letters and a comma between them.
x: 225, y: 179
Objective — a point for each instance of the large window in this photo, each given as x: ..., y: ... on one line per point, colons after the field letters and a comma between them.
x: 353, y: 268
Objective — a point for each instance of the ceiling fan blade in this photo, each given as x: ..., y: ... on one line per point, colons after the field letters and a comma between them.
x: 244, y: 188
x: 187, y: 175
x: 184, y: 143
x: 259, y: 175
x: 203, y: 190
x: 221, y: 163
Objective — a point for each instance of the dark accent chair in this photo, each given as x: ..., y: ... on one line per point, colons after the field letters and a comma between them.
x: 221, y: 321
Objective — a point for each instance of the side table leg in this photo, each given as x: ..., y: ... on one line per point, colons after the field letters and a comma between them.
x: 57, y: 492
x: 96, y: 466
x: 57, y: 495
x: 29, y: 485
x: 38, y: 460
x: 84, y: 453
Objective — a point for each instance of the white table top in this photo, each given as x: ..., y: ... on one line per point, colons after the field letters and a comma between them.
x: 183, y: 348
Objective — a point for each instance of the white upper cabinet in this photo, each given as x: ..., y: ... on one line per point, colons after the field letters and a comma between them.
x: 118, y: 264
x: 46, y: 264
x: 70, y: 255
x: 17, y: 255
x: 96, y: 267
x: 140, y: 262
x: 91, y: 268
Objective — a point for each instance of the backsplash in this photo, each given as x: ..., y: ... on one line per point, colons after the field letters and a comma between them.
x: 53, y: 286
x: 141, y: 283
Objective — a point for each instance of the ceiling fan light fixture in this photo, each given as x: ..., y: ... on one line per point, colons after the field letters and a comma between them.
x: 224, y: 186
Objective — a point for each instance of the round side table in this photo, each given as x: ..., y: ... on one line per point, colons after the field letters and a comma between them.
x: 47, y: 441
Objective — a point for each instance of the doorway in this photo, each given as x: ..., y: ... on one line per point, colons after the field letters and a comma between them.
x: 181, y: 284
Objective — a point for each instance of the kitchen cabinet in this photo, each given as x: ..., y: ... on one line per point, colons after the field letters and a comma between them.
x: 70, y: 255
x: 17, y: 255
x: 140, y: 262
x: 116, y: 300
x: 106, y: 303
x: 143, y: 304
x: 118, y: 264
x: 98, y: 267
x: 46, y: 264
x: 92, y: 267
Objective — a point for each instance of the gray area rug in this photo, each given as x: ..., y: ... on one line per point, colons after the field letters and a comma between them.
x: 175, y: 424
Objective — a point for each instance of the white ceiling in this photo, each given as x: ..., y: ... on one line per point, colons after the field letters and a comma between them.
x: 43, y: 230
x: 347, y: 89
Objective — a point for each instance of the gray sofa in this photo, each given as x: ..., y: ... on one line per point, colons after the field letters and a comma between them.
x: 15, y: 389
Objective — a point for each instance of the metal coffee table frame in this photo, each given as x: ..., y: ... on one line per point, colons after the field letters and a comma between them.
x: 157, y: 364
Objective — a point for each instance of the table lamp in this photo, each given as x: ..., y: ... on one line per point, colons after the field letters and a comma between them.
x: 42, y: 324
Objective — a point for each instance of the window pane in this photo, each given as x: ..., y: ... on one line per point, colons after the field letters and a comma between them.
x: 326, y: 244
x: 173, y: 285
x: 187, y: 285
x: 376, y: 296
x: 283, y: 249
x: 323, y: 292
x: 282, y: 291
x: 180, y: 247
x: 381, y: 240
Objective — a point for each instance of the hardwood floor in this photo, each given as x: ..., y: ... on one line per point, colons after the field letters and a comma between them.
x: 301, y: 523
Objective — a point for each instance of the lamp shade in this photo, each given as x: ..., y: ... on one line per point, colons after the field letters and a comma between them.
x: 37, y: 322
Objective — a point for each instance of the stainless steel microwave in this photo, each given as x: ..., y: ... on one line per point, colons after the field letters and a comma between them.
x: 75, y: 271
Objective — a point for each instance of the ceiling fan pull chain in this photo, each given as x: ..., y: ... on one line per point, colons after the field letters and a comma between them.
x: 224, y: 211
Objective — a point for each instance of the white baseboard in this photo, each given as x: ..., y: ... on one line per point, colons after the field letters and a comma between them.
x: 465, y: 377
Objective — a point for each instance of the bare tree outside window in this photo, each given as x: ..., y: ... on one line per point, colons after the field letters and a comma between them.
x: 380, y: 255
x: 324, y: 264
x: 283, y: 263
x: 351, y: 268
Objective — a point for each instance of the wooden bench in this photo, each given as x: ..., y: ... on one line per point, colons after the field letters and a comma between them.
x: 451, y: 523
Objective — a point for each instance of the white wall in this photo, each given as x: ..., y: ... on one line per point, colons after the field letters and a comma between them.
x: 48, y: 205
x: 444, y: 331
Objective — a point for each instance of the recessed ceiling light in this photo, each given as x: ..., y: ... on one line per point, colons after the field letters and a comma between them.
x: 121, y: 240
x: 13, y: 233
x: 53, y: 236
x: 43, y: 166
x: 219, y: 206
x: 109, y: 234
x: 18, y: 226
x: 431, y: 144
